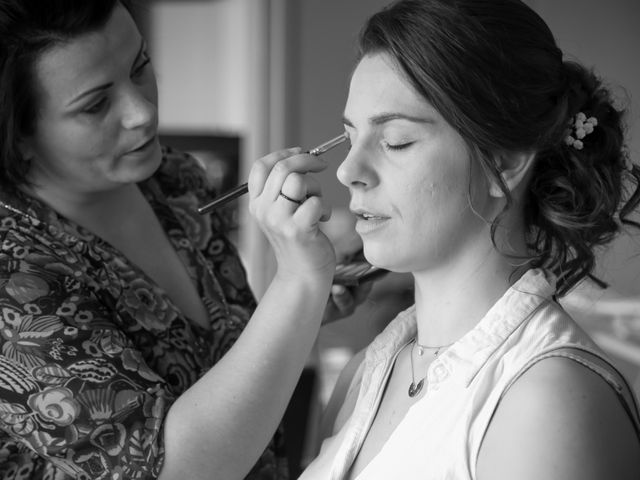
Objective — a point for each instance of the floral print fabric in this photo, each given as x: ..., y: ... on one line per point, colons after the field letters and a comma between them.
x: 92, y: 351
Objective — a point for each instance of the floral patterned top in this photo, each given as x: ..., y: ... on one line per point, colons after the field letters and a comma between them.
x: 92, y: 351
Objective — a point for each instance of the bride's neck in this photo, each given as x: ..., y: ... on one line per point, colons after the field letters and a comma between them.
x: 450, y: 303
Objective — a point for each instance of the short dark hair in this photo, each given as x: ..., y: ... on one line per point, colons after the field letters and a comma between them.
x: 27, y: 29
x: 494, y: 72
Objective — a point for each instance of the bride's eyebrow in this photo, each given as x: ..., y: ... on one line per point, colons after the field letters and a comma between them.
x: 385, y: 117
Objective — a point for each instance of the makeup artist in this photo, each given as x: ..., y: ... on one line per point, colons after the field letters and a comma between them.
x: 130, y: 343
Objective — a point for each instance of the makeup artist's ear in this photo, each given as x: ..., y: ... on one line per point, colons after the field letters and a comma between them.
x: 514, y: 168
x: 25, y: 148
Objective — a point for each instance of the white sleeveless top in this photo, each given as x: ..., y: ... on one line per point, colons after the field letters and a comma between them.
x: 441, y: 433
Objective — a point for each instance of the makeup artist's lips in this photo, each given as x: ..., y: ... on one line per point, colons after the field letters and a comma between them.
x: 143, y: 146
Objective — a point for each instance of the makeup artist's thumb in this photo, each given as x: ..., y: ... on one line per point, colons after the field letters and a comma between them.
x: 342, y: 298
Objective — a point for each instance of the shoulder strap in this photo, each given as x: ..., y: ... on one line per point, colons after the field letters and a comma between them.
x: 600, y: 365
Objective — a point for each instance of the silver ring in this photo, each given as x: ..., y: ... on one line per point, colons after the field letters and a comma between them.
x: 297, y: 202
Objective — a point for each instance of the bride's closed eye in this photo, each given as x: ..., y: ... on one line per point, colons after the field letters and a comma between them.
x: 396, y: 146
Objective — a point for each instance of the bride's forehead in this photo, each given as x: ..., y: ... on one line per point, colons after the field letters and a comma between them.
x: 378, y: 86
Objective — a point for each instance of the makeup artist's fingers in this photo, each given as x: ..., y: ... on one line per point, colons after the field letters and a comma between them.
x: 294, y: 186
x: 299, y: 186
x: 300, y: 247
x: 343, y: 301
x: 287, y: 204
x: 314, y: 192
x: 261, y: 169
x: 299, y: 164
x: 312, y: 211
x: 303, y: 191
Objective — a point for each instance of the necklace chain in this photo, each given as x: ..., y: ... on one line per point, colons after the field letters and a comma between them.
x: 422, y: 348
x: 20, y: 212
x: 415, y: 388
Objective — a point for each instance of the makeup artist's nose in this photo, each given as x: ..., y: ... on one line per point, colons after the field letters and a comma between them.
x: 138, y: 111
x: 356, y: 170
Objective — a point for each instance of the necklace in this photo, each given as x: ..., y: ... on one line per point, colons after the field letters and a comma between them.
x: 415, y: 388
x: 422, y: 348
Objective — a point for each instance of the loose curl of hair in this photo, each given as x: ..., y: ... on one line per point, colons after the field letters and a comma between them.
x: 494, y: 72
x: 28, y: 28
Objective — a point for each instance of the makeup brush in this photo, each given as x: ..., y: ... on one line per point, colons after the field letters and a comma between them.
x: 244, y: 188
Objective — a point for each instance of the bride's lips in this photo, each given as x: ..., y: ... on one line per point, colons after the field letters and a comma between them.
x: 365, y: 214
x: 367, y: 221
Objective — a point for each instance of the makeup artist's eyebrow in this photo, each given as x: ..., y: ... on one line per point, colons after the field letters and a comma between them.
x: 141, y: 50
x: 97, y: 88
x: 382, y: 118
x: 89, y: 92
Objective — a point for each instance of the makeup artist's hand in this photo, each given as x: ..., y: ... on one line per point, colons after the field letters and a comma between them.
x: 344, y: 301
x: 287, y: 203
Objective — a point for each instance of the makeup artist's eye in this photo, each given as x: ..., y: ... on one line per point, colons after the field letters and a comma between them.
x: 96, y: 107
x: 139, y: 69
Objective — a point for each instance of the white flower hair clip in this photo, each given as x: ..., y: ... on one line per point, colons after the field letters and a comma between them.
x: 579, y: 127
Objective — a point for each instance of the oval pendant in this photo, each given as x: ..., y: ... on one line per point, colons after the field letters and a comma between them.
x: 415, y: 389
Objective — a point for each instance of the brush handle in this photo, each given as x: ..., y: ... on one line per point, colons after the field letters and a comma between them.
x: 227, y: 197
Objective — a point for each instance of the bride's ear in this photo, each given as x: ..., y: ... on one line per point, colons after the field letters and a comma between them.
x: 513, y: 168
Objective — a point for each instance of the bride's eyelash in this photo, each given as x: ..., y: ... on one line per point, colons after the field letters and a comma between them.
x: 399, y: 146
